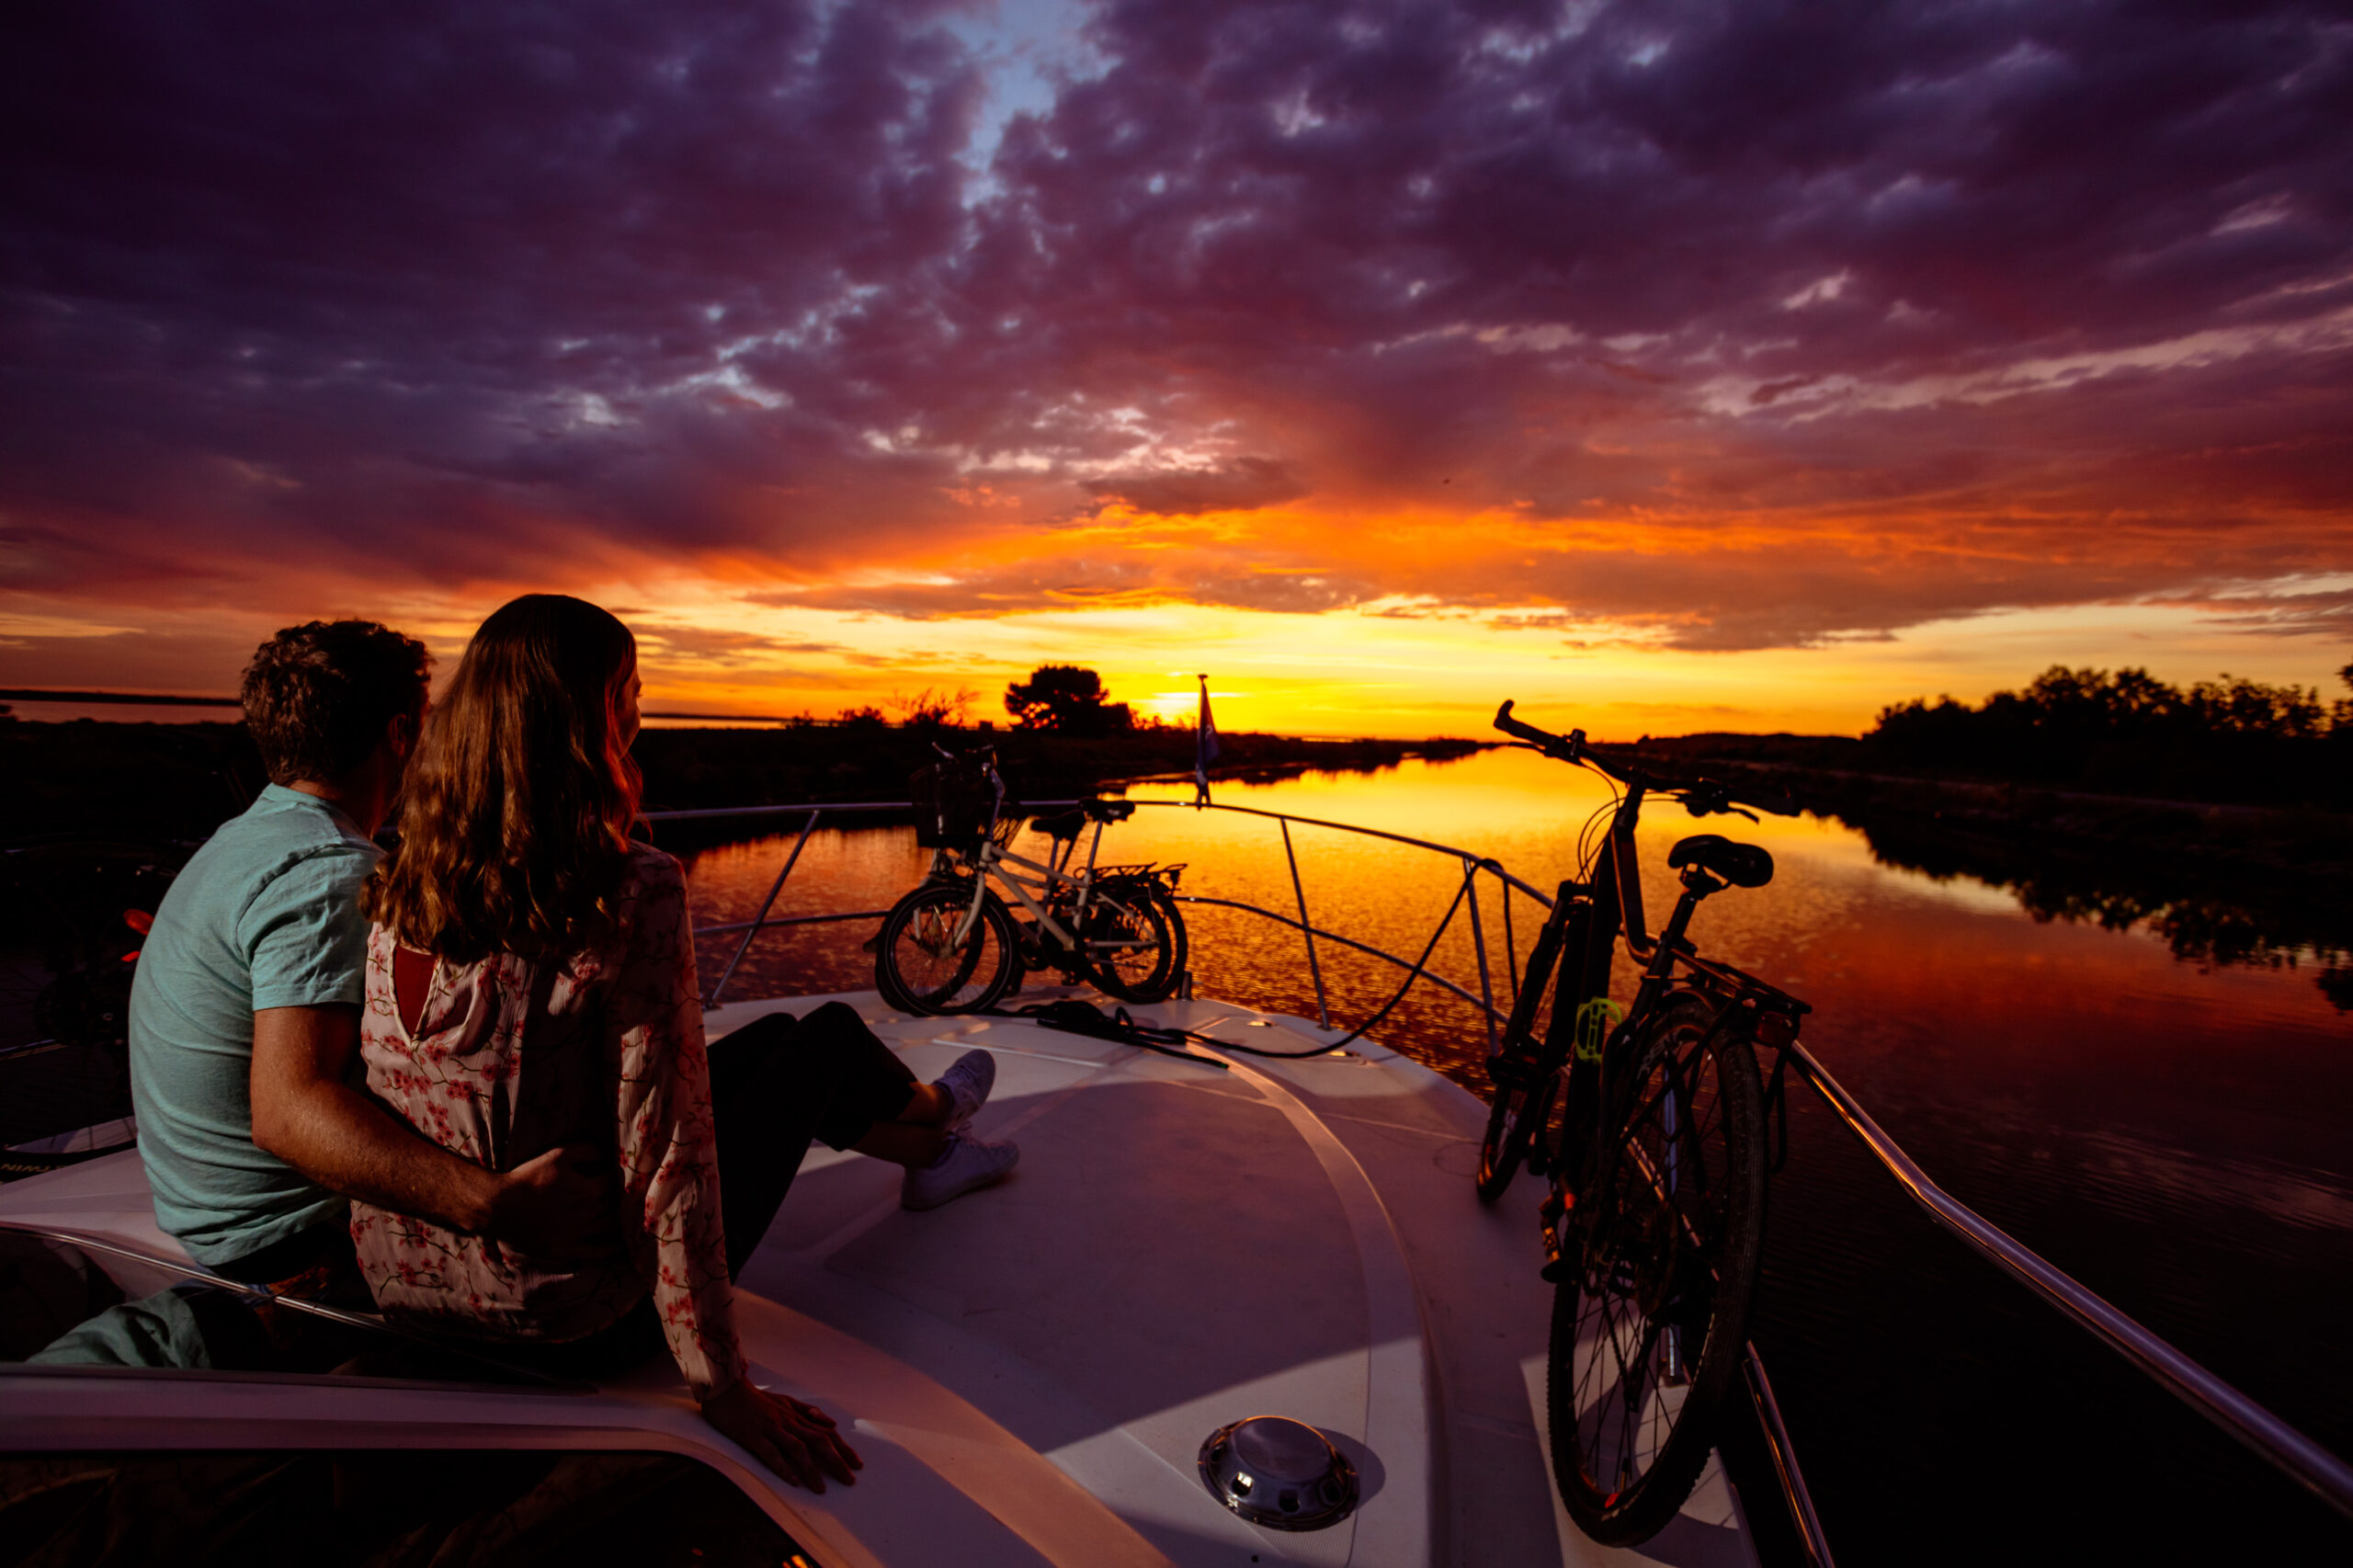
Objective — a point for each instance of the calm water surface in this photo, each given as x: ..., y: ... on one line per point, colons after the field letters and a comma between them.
x: 2178, y: 1137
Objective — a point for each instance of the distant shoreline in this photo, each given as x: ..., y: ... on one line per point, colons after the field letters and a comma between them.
x: 179, y: 780
x: 2304, y: 851
x: 126, y: 699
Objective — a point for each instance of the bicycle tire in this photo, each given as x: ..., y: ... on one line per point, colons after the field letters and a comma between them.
x: 1140, y: 973
x: 1182, y: 953
x: 1512, y: 1121
x: 1510, y: 1127
x: 1667, y: 1269
x: 917, y: 972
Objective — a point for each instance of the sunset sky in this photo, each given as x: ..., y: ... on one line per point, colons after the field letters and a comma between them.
x: 1662, y: 367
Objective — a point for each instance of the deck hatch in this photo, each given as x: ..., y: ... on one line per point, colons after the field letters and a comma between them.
x: 1278, y: 1474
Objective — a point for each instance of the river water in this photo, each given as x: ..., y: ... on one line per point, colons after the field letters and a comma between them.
x: 2174, y: 1131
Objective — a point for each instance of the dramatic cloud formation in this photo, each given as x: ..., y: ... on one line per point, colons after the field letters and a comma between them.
x: 1721, y: 326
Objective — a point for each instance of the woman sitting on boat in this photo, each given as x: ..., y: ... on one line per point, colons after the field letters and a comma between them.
x: 531, y: 986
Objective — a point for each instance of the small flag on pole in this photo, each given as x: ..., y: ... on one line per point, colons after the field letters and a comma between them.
x: 1204, y: 747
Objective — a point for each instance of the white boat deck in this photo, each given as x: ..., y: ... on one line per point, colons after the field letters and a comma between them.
x: 1030, y: 1372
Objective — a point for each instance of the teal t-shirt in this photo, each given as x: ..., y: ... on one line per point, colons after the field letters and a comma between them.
x: 267, y: 915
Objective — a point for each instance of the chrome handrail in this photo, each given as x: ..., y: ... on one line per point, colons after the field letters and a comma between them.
x: 1473, y: 865
x: 1345, y: 941
x: 1784, y: 1455
x: 2286, y: 1450
x: 760, y: 922
x: 1495, y: 867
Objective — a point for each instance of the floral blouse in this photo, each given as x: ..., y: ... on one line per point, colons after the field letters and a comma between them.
x: 511, y: 1059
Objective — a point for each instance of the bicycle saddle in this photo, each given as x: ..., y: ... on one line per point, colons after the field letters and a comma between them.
x: 1071, y: 823
x: 1062, y: 825
x: 1742, y: 865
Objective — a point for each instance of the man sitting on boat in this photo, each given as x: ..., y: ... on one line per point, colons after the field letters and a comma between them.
x: 245, y: 1014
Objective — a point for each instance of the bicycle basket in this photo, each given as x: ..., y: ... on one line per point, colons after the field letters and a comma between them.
x: 954, y: 804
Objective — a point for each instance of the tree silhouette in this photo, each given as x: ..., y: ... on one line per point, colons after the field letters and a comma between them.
x: 2229, y: 739
x: 1066, y: 697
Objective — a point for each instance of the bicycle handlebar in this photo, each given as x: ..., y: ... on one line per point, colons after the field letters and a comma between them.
x: 1701, y: 796
x: 1568, y: 749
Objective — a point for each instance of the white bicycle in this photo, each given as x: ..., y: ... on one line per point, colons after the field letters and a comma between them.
x: 955, y: 944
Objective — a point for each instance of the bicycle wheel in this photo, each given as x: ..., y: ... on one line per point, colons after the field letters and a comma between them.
x: 1181, y: 941
x: 920, y: 966
x: 1519, y: 1108
x: 1131, y: 949
x: 1649, y: 1324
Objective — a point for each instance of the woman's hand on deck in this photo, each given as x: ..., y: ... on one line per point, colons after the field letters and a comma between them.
x: 796, y: 1440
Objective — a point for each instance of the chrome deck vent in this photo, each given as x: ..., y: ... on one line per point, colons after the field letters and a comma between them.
x: 1278, y: 1474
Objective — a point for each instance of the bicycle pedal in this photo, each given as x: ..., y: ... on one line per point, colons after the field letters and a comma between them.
x: 1561, y: 1251
x: 1509, y: 1071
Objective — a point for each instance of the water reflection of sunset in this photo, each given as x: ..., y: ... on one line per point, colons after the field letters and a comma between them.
x: 1948, y: 986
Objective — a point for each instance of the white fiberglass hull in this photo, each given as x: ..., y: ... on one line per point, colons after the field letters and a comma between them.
x: 1030, y: 1372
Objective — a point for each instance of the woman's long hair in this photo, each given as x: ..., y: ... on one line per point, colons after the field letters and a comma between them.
x: 515, y: 822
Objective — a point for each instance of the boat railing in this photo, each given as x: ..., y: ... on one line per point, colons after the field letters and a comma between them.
x: 2291, y: 1453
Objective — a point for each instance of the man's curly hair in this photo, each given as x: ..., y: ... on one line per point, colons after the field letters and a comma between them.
x: 318, y: 696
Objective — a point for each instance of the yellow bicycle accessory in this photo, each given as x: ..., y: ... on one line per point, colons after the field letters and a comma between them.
x: 1595, y: 1021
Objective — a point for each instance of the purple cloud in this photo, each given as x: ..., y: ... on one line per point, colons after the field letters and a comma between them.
x: 1964, y: 306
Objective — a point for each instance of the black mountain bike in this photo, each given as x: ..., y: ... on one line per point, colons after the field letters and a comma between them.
x: 1651, y: 1122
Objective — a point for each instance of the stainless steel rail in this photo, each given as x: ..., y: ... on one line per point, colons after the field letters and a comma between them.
x: 1795, y: 1496
x: 1489, y: 1014
x: 1366, y: 948
x: 761, y: 921
x: 2288, y: 1451
x: 1473, y: 865
x: 372, y: 1322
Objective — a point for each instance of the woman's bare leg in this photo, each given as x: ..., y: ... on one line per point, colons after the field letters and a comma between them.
x: 928, y: 1106
x: 907, y: 1143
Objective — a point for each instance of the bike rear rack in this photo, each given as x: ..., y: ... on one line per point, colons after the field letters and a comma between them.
x: 2271, y: 1439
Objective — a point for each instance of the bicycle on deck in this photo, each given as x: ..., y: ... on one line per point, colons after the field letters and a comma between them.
x: 1650, y: 1121
x: 953, y: 945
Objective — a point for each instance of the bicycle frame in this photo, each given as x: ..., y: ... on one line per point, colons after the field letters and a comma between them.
x: 1049, y: 879
x: 1072, y: 893
x: 1580, y: 939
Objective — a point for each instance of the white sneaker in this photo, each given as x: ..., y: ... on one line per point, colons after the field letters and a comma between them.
x: 967, y: 1165
x: 967, y: 1082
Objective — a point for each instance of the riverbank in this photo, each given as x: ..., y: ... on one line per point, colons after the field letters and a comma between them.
x: 2294, y: 847
x: 180, y: 782
x: 2223, y: 884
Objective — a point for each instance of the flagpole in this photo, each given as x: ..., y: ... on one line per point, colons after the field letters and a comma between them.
x: 1205, y: 746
